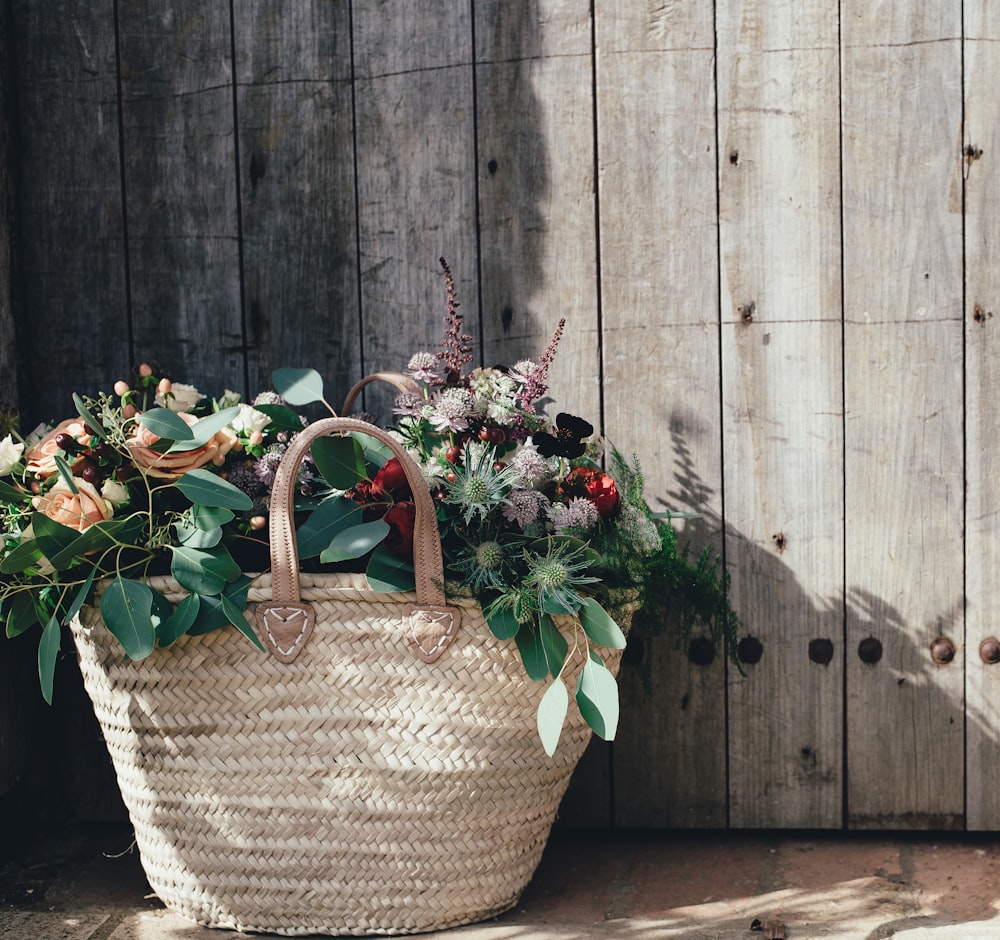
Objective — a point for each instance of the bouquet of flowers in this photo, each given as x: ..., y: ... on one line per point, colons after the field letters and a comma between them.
x: 538, y: 518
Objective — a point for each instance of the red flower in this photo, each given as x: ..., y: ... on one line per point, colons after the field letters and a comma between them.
x: 596, y: 485
x: 400, y: 518
x: 391, y: 479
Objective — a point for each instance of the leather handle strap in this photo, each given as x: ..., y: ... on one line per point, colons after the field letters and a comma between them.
x: 286, y: 620
x: 398, y: 380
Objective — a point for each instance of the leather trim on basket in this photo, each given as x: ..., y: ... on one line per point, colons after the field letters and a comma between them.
x: 431, y: 629
x: 284, y: 628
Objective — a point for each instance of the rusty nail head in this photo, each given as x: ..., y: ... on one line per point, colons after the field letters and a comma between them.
x: 821, y: 651
x: 942, y: 651
x: 750, y: 650
x: 701, y: 651
x: 989, y: 650
x: 870, y: 650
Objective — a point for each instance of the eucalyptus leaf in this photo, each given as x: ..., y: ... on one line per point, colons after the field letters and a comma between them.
x: 65, y: 474
x: 23, y: 556
x: 600, y: 626
x: 554, y: 645
x: 553, y: 605
x: 126, y: 607
x: 210, y: 517
x: 552, y: 714
x: 180, y: 621
x: 94, y: 427
x: 388, y: 573
x: 81, y: 596
x: 237, y: 618
x: 204, y: 429
x: 502, y: 622
x: 166, y: 424
x: 203, y: 571
x: 92, y: 539
x: 529, y: 645
x: 52, y: 536
x: 332, y: 515
x: 376, y: 452
x: 21, y: 614
x: 340, y: 461
x: 597, y: 698
x: 355, y: 541
x: 205, y: 488
x: 211, y: 615
x: 282, y: 418
x: 10, y: 494
x: 195, y: 537
x: 48, y: 652
x: 298, y: 386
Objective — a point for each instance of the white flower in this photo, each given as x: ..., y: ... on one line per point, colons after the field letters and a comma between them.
x: 181, y: 397
x: 249, y: 420
x: 10, y: 454
x: 114, y: 492
x: 229, y: 398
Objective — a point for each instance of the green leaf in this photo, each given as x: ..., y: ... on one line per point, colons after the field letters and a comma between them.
x: 211, y: 616
x: 388, y: 573
x: 552, y: 715
x: 599, y: 625
x: 355, y: 541
x: 195, y: 537
x: 597, y: 698
x: 98, y: 536
x: 376, y: 453
x: 331, y: 516
x: 166, y: 424
x: 282, y: 418
x: 126, y: 608
x: 502, y: 622
x: 298, y: 386
x: 340, y: 461
x: 94, y: 427
x: 554, y: 605
x: 203, y: 571
x: 161, y: 612
x: 21, y: 614
x: 21, y: 557
x: 180, y: 621
x: 209, y: 489
x: 48, y: 651
x: 10, y: 494
x: 204, y: 429
x: 210, y: 517
x: 52, y: 536
x: 66, y: 473
x: 237, y: 618
x: 81, y: 596
x: 554, y: 645
x: 529, y: 645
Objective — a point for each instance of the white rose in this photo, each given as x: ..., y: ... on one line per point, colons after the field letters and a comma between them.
x: 229, y: 398
x: 181, y: 397
x: 114, y: 492
x: 249, y: 420
x: 10, y: 454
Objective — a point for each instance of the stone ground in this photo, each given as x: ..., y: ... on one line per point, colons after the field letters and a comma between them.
x: 84, y: 883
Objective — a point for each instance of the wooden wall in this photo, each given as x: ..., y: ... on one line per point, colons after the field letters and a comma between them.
x: 770, y: 225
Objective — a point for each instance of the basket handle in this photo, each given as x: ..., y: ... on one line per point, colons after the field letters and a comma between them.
x: 398, y: 380
x: 285, y: 621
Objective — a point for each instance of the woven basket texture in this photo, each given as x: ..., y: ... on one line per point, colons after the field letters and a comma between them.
x: 353, y: 791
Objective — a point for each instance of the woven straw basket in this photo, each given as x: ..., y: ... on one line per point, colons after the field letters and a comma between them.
x: 384, y: 777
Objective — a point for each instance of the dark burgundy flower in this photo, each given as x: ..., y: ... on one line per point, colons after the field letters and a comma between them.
x: 400, y: 518
x: 391, y: 479
x: 567, y: 440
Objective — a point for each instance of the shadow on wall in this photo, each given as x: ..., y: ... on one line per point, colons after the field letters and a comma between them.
x: 904, y: 699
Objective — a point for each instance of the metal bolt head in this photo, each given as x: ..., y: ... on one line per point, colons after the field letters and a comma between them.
x: 821, y: 651
x: 989, y: 651
x: 749, y: 650
x: 870, y: 650
x: 942, y: 651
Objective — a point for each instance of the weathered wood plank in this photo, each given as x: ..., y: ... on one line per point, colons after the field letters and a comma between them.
x: 536, y: 192
x: 180, y: 190
x: 416, y: 178
x: 657, y: 159
x: 534, y: 109
x: 982, y: 547
x: 903, y: 394
x: 779, y: 223
x: 74, y: 326
x: 297, y: 186
x: 8, y: 326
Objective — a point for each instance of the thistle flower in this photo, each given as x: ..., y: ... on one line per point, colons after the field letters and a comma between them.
x: 488, y: 564
x: 558, y: 575
x: 479, y: 487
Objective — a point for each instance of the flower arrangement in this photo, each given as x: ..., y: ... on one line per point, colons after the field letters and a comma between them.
x: 538, y: 518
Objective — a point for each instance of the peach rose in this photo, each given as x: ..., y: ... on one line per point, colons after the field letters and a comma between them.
x: 41, y: 459
x: 79, y: 510
x: 175, y: 465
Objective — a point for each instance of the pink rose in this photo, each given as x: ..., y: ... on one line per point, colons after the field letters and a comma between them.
x: 41, y: 459
x: 173, y: 466
x: 79, y: 510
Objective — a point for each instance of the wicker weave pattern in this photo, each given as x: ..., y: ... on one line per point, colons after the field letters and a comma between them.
x: 353, y: 791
